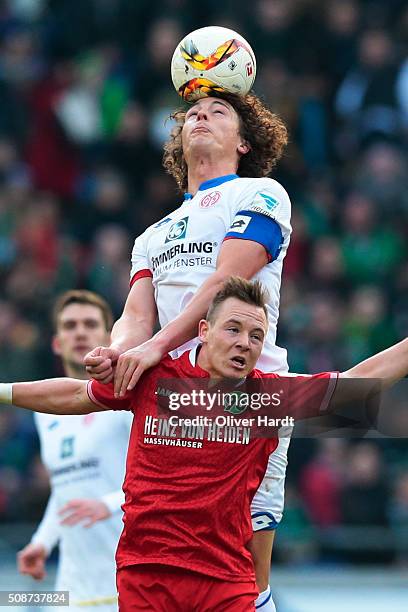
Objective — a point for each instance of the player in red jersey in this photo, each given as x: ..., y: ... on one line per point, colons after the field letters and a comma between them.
x: 187, y: 511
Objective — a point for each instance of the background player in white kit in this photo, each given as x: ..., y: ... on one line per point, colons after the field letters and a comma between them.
x: 234, y: 221
x: 85, y: 457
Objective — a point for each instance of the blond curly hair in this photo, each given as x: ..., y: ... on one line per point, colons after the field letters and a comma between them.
x: 260, y: 128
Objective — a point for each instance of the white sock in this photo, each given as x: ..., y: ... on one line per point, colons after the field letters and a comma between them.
x: 264, y: 601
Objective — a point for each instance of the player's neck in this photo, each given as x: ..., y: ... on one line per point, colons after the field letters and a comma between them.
x: 204, y: 169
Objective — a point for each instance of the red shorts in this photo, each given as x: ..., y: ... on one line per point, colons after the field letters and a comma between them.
x: 161, y: 588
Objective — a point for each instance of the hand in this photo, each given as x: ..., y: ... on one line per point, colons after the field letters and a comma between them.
x: 99, y: 363
x: 31, y: 561
x: 131, y: 365
x: 88, y: 510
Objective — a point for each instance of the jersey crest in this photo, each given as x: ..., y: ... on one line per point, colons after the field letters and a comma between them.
x: 177, y: 230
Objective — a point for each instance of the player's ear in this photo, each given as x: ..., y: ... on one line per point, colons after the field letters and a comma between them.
x: 56, y: 345
x: 203, y: 330
x: 243, y: 147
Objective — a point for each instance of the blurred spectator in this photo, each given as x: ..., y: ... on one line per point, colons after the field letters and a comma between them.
x: 382, y: 177
x: 110, y: 264
x: 321, y: 481
x: 365, y: 495
x: 367, y: 100
x: 365, y: 500
x: 368, y: 329
x: 370, y: 249
x: 399, y: 516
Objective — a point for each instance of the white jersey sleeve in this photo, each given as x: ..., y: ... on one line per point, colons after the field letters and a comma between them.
x: 265, y: 198
x: 48, y: 531
x: 140, y: 263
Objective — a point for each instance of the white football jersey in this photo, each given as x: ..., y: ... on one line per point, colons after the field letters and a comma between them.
x: 180, y: 251
x: 85, y: 456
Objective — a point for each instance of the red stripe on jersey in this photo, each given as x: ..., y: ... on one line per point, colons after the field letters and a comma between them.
x: 141, y: 274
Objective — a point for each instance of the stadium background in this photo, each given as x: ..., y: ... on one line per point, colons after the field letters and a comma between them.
x: 84, y: 92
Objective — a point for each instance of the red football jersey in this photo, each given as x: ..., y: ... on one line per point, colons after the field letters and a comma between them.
x: 187, y: 498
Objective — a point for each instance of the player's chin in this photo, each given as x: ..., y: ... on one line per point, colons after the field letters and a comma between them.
x: 233, y: 371
x: 201, y: 136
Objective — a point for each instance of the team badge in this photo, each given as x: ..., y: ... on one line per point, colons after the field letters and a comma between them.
x: 210, y: 199
x: 67, y: 447
x: 177, y: 230
x: 236, y: 402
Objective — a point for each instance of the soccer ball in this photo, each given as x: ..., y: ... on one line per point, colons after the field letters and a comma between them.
x: 211, y: 60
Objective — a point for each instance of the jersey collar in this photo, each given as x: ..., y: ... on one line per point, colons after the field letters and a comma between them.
x: 215, y: 182
x: 188, y: 361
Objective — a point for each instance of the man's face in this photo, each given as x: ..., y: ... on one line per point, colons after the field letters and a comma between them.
x: 233, y: 343
x: 80, y: 328
x: 212, y: 125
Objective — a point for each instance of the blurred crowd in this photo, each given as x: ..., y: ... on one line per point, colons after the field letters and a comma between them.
x: 85, y: 92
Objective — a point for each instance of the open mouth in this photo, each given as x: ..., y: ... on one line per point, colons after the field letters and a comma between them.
x: 239, y: 361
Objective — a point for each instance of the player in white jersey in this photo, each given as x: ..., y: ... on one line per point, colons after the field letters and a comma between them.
x: 85, y: 456
x: 233, y: 221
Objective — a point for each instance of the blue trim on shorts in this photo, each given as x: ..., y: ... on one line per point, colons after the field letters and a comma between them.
x: 264, y: 602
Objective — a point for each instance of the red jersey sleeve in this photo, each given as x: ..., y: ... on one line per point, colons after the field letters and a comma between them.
x: 102, y: 395
x: 310, y: 396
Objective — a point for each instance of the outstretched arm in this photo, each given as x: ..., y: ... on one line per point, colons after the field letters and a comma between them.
x: 53, y: 396
x: 373, y: 375
x: 388, y: 367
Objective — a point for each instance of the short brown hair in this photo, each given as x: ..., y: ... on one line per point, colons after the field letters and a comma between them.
x: 265, y: 133
x: 82, y: 296
x: 250, y: 292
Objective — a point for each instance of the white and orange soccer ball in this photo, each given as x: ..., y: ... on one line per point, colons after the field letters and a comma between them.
x: 210, y: 60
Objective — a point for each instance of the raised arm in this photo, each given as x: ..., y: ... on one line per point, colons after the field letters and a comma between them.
x: 52, y: 396
x: 138, y: 319
x: 134, y: 327
x: 237, y: 257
